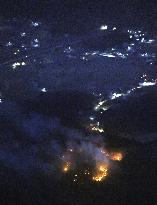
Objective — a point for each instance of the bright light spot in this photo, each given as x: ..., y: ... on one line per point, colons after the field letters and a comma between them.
x: 146, y: 83
x: 120, y: 55
x: 44, y: 90
x: 136, y: 35
x: 9, y: 44
x: 109, y: 55
x: 142, y: 40
x: 105, y: 108
x: 23, y: 63
x: 91, y: 118
x: 15, y: 65
x: 114, y: 28
x: 23, y: 34
x: 35, y: 24
x: 150, y: 41
x: 36, y: 40
x: 94, y: 53
x: 129, y: 48
x: 102, y: 105
x: 96, y: 128
x: 144, y: 55
x: 116, y: 95
x: 35, y: 43
x: 97, y: 107
x: 83, y: 58
x: 18, y: 64
x: 129, y: 91
x: 104, y: 27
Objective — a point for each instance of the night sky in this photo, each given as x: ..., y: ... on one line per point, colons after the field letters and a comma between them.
x: 78, y: 102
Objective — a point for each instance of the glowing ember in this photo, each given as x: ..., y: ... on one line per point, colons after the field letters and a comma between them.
x: 66, y: 167
x: 102, y: 173
x: 116, y: 156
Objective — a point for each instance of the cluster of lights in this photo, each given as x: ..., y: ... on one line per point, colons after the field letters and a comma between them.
x: 141, y: 84
x: 135, y: 34
x: 35, y: 24
x: 147, y: 84
x: 35, y: 43
x: 150, y: 41
x: 121, y: 55
x: 68, y: 50
x: 109, y: 55
x: 116, y: 95
x: 105, y: 27
x: 102, y: 105
x: 17, y: 51
x: 23, y: 34
x: 18, y: 64
x: 95, y: 127
x: 101, y: 170
x: 9, y: 44
x: 146, y: 55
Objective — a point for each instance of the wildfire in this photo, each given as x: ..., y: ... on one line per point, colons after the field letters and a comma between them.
x: 102, y: 173
x: 116, y: 156
x: 66, y: 167
x: 99, y: 171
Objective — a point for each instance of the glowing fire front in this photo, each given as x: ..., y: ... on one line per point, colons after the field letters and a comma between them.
x: 116, y: 156
x: 96, y: 172
x: 102, y: 172
x: 66, y: 167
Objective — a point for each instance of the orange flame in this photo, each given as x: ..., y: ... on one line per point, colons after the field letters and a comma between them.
x: 66, y: 167
x: 102, y: 172
x: 116, y: 156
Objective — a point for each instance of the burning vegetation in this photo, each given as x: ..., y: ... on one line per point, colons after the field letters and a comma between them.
x: 88, y: 160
